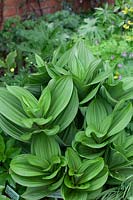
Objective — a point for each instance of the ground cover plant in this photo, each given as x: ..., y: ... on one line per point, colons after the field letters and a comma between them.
x: 68, y: 103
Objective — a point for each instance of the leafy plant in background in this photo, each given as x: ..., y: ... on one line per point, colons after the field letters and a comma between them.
x: 118, y: 53
x: 47, y: 34
x: 10, y: 71
x: 107, y: 19
x: 9, y: 64
x: 51, y: 30
x: 91, y: 30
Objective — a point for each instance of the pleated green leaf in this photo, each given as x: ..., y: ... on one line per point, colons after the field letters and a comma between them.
x: 45, y: 146
x: 36, y: 193
x: 12, y: 129
x: 101, y: 77
x: 96, y: 113
x: 88, y: 152
x: 69, y: 113
x: 91, y: 168
x: 58, y: 183
x: 37, y: 162
x: 44, y: 101
x: 105, y: 124
x: 71, y: 194
x: 61, y: 94
x: 73, y: 159
x: 121, y: 119
x: 23, y: 94
x: 92, y: 68
x: 90, y: 95
x: 88, y: 140
x: 69, y: 182
x: 99, y: 180
x: 30, y: 181
x: 10, y: 108
x: 21, y: 166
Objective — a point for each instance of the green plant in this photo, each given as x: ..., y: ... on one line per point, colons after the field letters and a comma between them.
x: 118, y: 53
x: 43, y: 169
x: 91, y: 30
x: 43, y: 115
x: 103, y: 124
x: 8, y: 151
x: 10, y: 70
x: 84, y: 179
x: 87, y: 72
x: 9, y: 64
x: 80, y: 119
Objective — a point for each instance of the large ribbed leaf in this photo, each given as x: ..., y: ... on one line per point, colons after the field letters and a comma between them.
x: 58, y: 183
x: 88, y: 140
x: 69, y: 113
x: 22, y: 94
x: 22, y: 167
x: 73, y: 159
x: 30, y: 181
x: 90, y: 95
x: 71, y: 194
x: 127, y: 83
x: 72, y: 183
x: 36, y: 193
x: 63, y: 59
x: 105, y: 124
x: 90, y: 169
x: 45, y: 146
x: 117, y: 160
x: 44, y: 101
x: 96, y: 112
x: 92, y: 67
x: 121, y: 119
x: 10, y: 108
x: 87, y: 152
x: 37, y: 162
x: 99, y: 180
x: 12, y: 129
x: 83, y: 53
x: 101, y: 77
x: 61, y: 93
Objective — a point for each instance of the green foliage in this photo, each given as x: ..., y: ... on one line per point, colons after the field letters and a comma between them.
x: 67, y: 99
x: 29, y: 116
x: 42, y: 170
x: 94, y: 129
x: 91, y: 30
x: 8, y: 150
